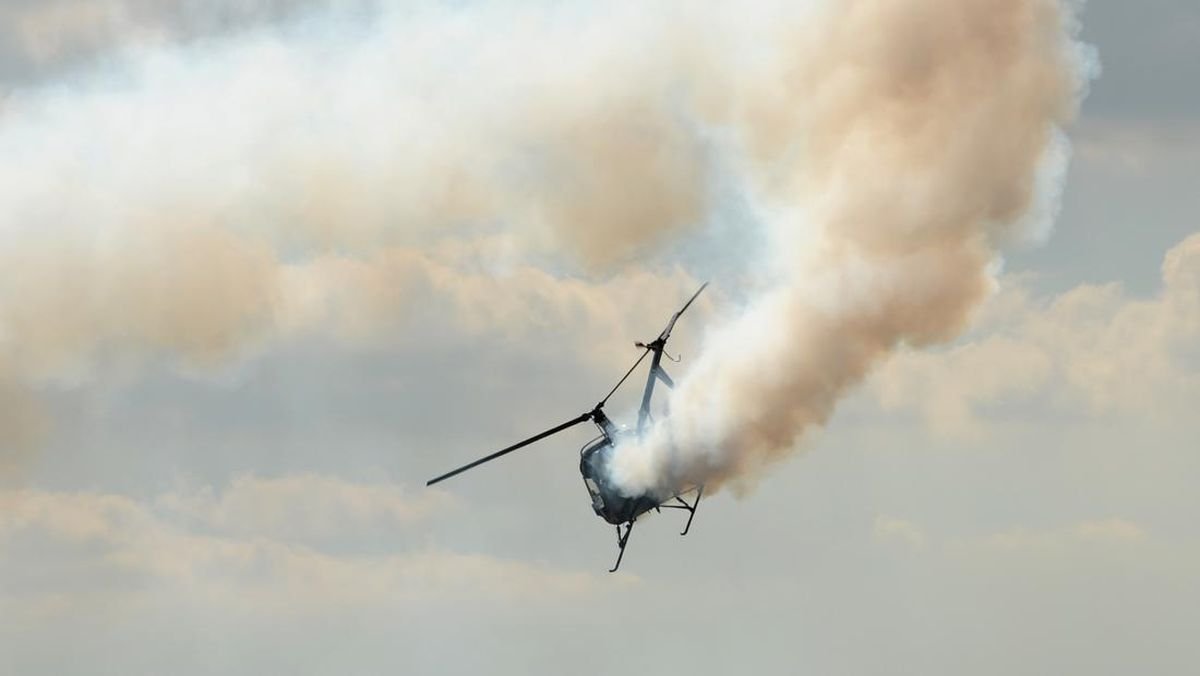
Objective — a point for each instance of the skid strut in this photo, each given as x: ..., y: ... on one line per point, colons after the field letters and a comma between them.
x: 691, y: 508
x: 621, y: 541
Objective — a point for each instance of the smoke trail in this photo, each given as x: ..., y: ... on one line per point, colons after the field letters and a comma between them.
x: 199, y: 201
x: 196, y: 201
x: 926, y: 134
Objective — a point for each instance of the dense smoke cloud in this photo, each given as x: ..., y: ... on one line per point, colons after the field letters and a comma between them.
x: 199, y: 201
x: 926, y: 133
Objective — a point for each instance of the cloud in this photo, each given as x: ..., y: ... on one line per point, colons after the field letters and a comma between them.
x: 1113, y: 532
x: 1093, y: 350
x: 202, y: 296
x: 196, y: 297
x: 890, y: 529
x: 1109, y: 530
x: 301, y: 508
x: 1021, y: 541
x: 254, y: 547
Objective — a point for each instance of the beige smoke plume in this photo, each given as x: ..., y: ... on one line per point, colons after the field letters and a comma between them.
x: 924, y: 134
x: 198, y: 202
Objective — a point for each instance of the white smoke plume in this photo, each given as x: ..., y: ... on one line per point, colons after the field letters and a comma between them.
x: 926, y: 134
x: 196, y: 201
x: 200, y: 200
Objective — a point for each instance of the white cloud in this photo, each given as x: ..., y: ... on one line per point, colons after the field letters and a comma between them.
x: 303, y: 507
x: 1025, y: 542
x: 1109, y: 530
x: 891, y: 529
x: 253, y: 547
x: 1093, y: 349
x: 1113, y: 531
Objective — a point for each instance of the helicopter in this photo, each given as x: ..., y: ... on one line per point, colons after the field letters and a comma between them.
x: 608, y: 501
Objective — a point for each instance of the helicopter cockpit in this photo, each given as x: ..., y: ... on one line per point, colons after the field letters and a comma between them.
x: 607, y: 501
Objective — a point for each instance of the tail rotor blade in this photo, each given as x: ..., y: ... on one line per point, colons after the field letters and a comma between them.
x: 550, y: 432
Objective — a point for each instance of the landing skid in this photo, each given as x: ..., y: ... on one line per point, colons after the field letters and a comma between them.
x: 623, y: 538
x: 621, y: 541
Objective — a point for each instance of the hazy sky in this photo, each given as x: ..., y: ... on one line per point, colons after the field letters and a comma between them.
x: 221, y: 400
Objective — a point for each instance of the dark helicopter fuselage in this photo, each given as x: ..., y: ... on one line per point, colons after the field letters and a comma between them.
x: 608, y: 501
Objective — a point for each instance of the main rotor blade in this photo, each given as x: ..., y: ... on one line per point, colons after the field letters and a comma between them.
x: 645, y: 351
x: 583, y: 418
x: 675, y: 317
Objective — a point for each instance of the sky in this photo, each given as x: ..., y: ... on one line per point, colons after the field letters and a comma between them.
x: 266, y: 267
